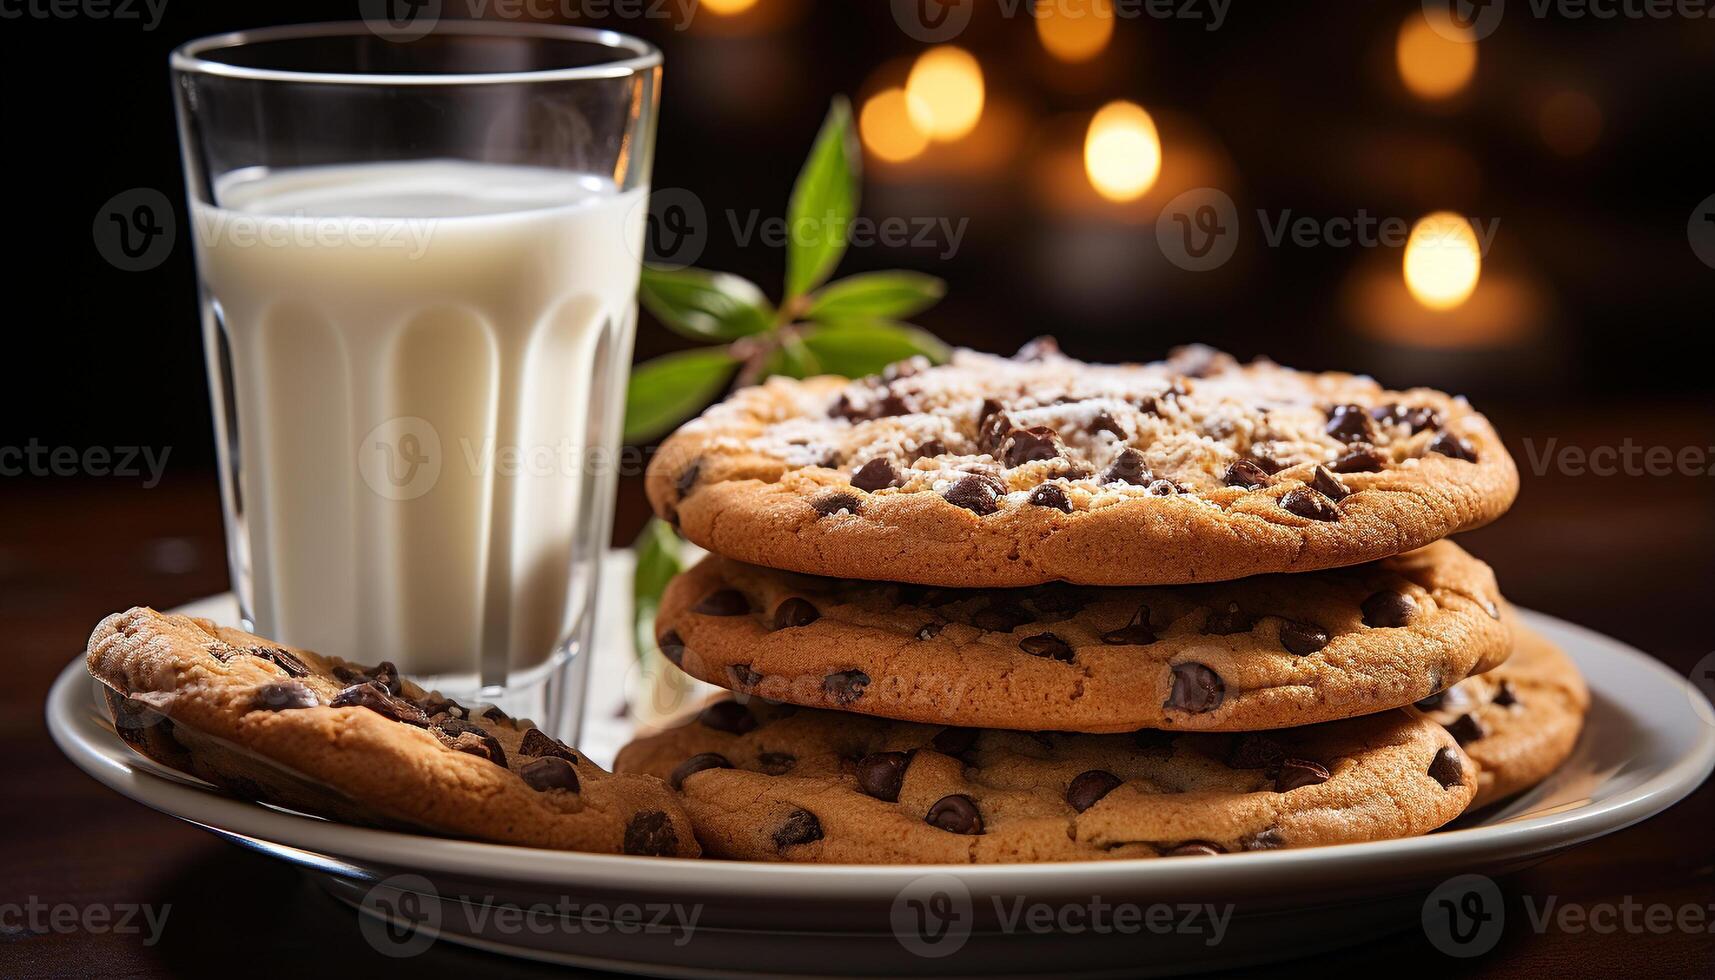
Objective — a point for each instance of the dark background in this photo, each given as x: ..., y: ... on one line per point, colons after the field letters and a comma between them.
x: 1597, y: 339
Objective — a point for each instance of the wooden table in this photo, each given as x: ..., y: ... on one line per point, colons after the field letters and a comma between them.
x: 1632, y: 556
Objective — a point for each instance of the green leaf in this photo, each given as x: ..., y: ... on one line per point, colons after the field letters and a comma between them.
x: 671, y: 388
x: 872, y: 295
x: 792, y: 358
x: 823, y: 203
x: 659, y: 556
x: 705, y: 305
x: 857, y: 349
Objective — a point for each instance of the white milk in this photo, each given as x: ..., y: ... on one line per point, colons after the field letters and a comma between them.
x: 422, y: 354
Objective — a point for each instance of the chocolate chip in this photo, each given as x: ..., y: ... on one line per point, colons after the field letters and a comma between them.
x: 1432, y: 702
x: 1388, y: 609
x: 956, y: 814
x: 954, y: 741
x: 1196, y: 689
x: 283, y: 660
x: 283, y: 696
x: 1103, y: 422
x: 1298, y: 773
x: 776, y: 763
x: 992, y: 425
x: 976, y: 493
x: 1349, y: 424
x: 877, y: 474
x: 1466, y: 729
x: 672, y: 647
x: 1246, y: 474
x: 1038, y: 349
x: 1361, y: 459
x: 1446, y: 769
x: 723, y: 602
x: 1324, y: 482
x: 930, y: 449
x: 695, y: 764
x: 929, y: 631
x: 1028, y: 445
x: 1047, y: 645
x: 651, y: 833
x: 727, y: 716
x: 463, y: 736
x: 437, y: 707
x: 1001, y: 616
x: 1263, y: 840
x: 1309, y: 504
x: 1197, y: 360
x: 1256, y: 752
x: 494, y: 714
x: 801, y: 827
x: 1448, y: 444
x: 1228, y: 621
x: 743, y: 675
x: 1135, y: 633
x: 831, y: 502
x: 538, y: 742
x: 1128, y: 467
x: 795, y: 612
x: 907, y: 368
x: 688, y: 479
x: 384, y: 674
x: 880, y: 774
x: 888, y: 405
x: 1053, y: 496
x: 846, y: 686
x: 549, y: 772
x: 1088, y: 787
x: 1418, y: 418
x: 1504, y: 695
x: 1302, y: 638
x: 1194, y: 848
x: 373, y: 696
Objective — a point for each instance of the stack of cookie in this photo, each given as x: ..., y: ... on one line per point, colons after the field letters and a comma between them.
x: 1027, y: 608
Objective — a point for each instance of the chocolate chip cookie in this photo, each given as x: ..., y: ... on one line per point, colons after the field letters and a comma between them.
x: 997, y: 472
x: 362, y: 744
x: 773, y: 783
x: 1518, y: 722
x: 1267, y: 652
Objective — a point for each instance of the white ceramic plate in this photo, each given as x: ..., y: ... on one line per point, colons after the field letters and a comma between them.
x: 1649, y: 741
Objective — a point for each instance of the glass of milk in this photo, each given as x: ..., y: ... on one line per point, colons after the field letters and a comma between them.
x: 418, y: 253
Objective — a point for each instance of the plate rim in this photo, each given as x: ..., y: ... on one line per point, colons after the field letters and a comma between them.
x: 108, y: 760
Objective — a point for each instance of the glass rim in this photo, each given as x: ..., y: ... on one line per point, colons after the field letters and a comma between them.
x: 190, y: 57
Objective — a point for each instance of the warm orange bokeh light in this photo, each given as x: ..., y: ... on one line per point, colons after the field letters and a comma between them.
x: 886, y: 127
x: 1075, y: 30
x: 1122, y: 152
x: 945, y: 93
x: 1443, y: 260
x: 726, y: 8
x: 1431, y: 64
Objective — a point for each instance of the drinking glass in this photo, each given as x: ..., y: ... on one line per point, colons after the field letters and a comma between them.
x: 418, y: 261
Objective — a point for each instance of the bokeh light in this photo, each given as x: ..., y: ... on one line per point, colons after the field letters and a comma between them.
x: 1122, y: 151
x: 1075, y: 30
x: 1570, y: 123
x: 887, y: 128
x: 945, y: 93
x: 1431, y: 64
x: 1442, y: 260
x: 726, y: 8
